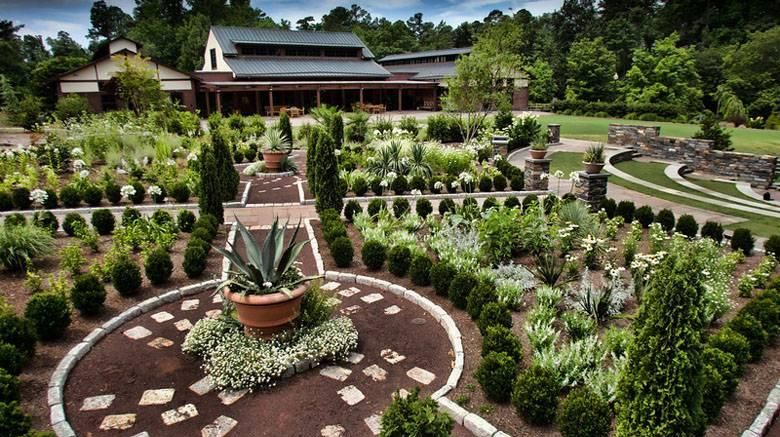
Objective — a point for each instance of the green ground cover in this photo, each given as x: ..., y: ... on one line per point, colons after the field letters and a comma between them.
x: 566, y: 162
x: 595, y: 129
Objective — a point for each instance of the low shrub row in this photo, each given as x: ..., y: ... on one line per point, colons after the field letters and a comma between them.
x: 643, y: 111
x: 335, y: 234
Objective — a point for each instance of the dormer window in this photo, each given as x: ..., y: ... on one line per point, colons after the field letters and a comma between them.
x: 213, y: 55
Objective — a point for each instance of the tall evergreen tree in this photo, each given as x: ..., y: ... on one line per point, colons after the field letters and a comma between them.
x: 328, y: 190
x: 210, y: 200
x: 661, y: 392
x: 337, y: 130
x: 226, y: 173
x: 286, y: 127
x: 311, y: 158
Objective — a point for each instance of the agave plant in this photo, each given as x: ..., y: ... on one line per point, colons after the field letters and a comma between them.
x: 267, y: 268
x: 274, y: 140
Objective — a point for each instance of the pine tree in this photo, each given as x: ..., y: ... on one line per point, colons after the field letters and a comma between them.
x: 661, y: 391
x: 328, y: 192
x: 711, y: 130
x: 337, y: 130
x: 286, y: 127
x: 226, y: 174
x: 311, y: 158
x: 210, y: 200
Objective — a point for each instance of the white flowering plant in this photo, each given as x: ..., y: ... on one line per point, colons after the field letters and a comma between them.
x: 127, y: 191
x: 38, y: 197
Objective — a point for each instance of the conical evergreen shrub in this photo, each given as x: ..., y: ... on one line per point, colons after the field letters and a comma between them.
x: 327, y: 188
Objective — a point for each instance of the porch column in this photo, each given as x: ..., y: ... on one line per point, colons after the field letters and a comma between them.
x: 219, y: 101
x: 400, y: 106
x: 435, y: 98
x: 271, y: 102
x: 318, y: 96
x: 361, y: 96
x: 257, y: 102
x: 208, y: 103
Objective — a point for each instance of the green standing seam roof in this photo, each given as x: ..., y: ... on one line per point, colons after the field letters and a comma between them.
x: 432, y: 71
x: 228, y: 36
x: 426, y: 54
x: 254, y: 67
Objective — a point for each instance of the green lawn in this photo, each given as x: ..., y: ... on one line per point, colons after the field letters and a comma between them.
x: 727, y: 188
x: 595, y: 129
x: 567, y: 162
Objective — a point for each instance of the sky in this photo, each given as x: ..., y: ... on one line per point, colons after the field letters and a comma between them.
x: 47, y: 17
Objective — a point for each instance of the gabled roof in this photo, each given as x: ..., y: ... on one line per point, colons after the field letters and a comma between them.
x: 427, y: 54
x: 228, y: 36
x: 255, y: 67
x: 430, y: 71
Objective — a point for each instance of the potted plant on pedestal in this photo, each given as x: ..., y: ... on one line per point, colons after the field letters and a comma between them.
x: 276, y: 146
x: 264, y: 285
x: 594, y: 159
x: 539, y: 147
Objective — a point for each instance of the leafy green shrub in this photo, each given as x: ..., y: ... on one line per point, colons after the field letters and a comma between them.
x: 180, y: 192
x: 376, y: 205
x: 21, y: 198
x: 201, y: 233
x: 92, y: 194
x: 15, y: 219
x: 113, y: 192
x: 342, y: 251
x: 461, y: 287
x: 49, y: 313
x: 376, y: 186
x: 9, y: 387
x: 754, y: 333
x: 584, y: 414
x: 726, y: 366
x: 88, y: 294
x: 13, y: 421
x: 352, y: 208
x: 418, y: 183
x: 399, y: 185
x: 126, y: 276
x: 609, y: 206
x: 771, y: 245
x: 494, y: 314
x: 644, y: 215
x: 766, y: 311
x: 499, y: 182
x: 485, y: 184
x: 70, y: 196
x: 140, y: 192
x: 333, y: 229
x: 46, y: 220
x: 480, y: 296
x: 626, y: 210
x: 71, y: 259
x: 158, y: 266
x: 578, y: 325
x: 495, y: 374
x: 21, y: 244
x: 194, y: 261
x: 423, y: 207
x: 163, y: 217
x: 185, y: 220
x: 441, y: 276
x: 743, y: 240
x: 732, y: 342
x: 713, y: 231
x: 210, y: 223
x: 420, y: 270
x: 11, y: 360
x: 398, y: 260
x: 446, y: 205
x: 360, y: 186
x: 490, y: 202
x: 6, y: 202
x: 412, y: 416
x: 130, y: 215
x: 687, y: 226
x: 498, y: 338
x: 400, y: 207
x: 720, y: 376
x: 529, y: 200
x: 18, y: 332
x: 666, y: 219
x: 511, y: 202
x: 72, y: 221
x: 103, y: 221
x: 469, y: 202
x: 516, y: 182
x: 51, y: 199
x: 535, y: 395
x: 71, y: 106
x: 373, y: 254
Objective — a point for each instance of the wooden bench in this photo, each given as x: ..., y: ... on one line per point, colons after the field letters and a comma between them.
x: 273, y: 110
x: 428, y: 105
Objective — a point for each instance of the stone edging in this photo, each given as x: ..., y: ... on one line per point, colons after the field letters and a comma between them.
x: 477, y: 195
x: 315, y: 246
x: 762, y: 423
x: 56, y: 388
x: 274, y: 175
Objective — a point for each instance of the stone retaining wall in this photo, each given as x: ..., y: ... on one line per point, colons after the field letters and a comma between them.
x: 758, y: 170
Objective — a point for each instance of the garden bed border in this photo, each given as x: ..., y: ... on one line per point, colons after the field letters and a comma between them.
x: 763, y: 422
x: 476, y: 195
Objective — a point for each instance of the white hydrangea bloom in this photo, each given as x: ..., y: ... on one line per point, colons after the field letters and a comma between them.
x: 127, y: 191
x: 192, y: 156
x: 38, y: 196
x: 77, y: 152
x: 154, y: 190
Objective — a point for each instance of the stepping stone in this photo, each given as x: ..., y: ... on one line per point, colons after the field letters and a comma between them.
x: 355, y: 357
x: 162, y: 317
x: 336, y: 372
x: 190, y: 304
x: 117, y: 421
x: 350, y: 310
x: 392, y: 356
x: 391, y: 310
x: 137, y: 333
x: 421, y: 375
x: 217, y: 299
x: 157, y: 397
x: 142, y: 434
x: 160, y: 343
x: 203, y: 386
x: 371, y: 298
x: 219, y: 428
x: 213, y: 314
x: 262, y: 191
x: 172, y: 417
x: 349, y: 292
x: 97, y: 402
x: 351, y: 395
x: 183, y: 325
x: 374, y: 423
x: 230, y: 397
x: 375, y: 372
x: 275, y: 189
x: 330, y: 286
x: 333, y: 431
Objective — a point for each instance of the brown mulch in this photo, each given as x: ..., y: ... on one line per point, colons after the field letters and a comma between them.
x: 35, y: 377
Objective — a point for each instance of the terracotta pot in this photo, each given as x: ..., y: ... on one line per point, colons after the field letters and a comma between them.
x: 273, y: 160
x: 538, y: 154
x: 267, y: 314
x: 593, y: 167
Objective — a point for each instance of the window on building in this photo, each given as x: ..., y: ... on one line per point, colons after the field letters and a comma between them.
x: 337, y: 52
x: 213, y: 54
x: 302, y: 51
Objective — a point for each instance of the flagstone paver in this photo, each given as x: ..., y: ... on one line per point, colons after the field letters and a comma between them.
x: 220, y: 427
x: 142, y: 434
x: 336, y: 372
x: 97, y: 402
x: 160, y: 343
x: 190, y: 304
x: 213, y: 314
x: 162, y: 317
x: 157, y: 397
x: 183, y: 325
x: 392, y: 310
x: 421, y: 375
x: 349, y: 292
x: 230, y: 397
x: 217, y: 298
x: 350, y: 310
x: 137, y: 333
x: 374, y: 423
x: 392, y: 356
x: 351, y: 395
x: 330, y: 286
x: 355, y: 357
x: 185, y: 412
x: 203, y: 385
x: 118, y: 421
x: 375, y: 372
x: 333, y: 431
x: 371, y: 298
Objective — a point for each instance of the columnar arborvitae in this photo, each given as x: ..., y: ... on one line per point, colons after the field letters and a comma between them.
x: 337, y: 130
x: 286, y: 128
x: 226, y: 173
x: 210, y: 200
x: 661, y: 391
x: 311, y: 158
x: 328, y: 192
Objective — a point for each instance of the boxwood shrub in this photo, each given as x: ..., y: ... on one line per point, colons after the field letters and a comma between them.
x: 158, y: 266
x: 194, y: 262
x: 376, y: 205
x: 352, y: 207
x: 50, y: 314
x: 666, y: 219
x: 399, y: 185
x: 11, y: 360
x: 342, y: 251
x: 742, y: 240
x: 687, y: 226
x: 644, y: 215
x: 753, y: 331
x: 126, y: 276
x: 113, y: 193
x: 446, y: 205
x: 411, y: 415
x: 511, y: 202
x: 400, y: 207
x: 70, y: 196
x: 92, y: 194
x: 442, y: 274
x: 732, y: 342
x: 584, y: 414
x: 494, y: 314
x: 6, y: 201
x: 418, y: 183
x: 420, y: 270
x: 140, y: 193
x: 481, y: 295
x: 180, y: 192
x: 423, y: 207
x: 495, y: 374
x: 712, y: 230
x: 13, y: 420
x: 772, y: 245
x: 185, y: 220
x: 71, y: 222
x: 103, y: 221
x: 535, y: 395
x: 130, y: 215
x: 46, y: 220
x: 18, y: 332
x: 373, y: 254
x: 499, y: 338
x: 499, y: 182
x: 51, y: 201
x: 609, y: 206
x: 461, y: 288
x: 359, y: 186
x: 21, y: 198
x: 516, y: 182
x: 15, y: 219
x: 626, y: 210
x: 485, y: 184
x: 398, y: 260
x: 9, y: 387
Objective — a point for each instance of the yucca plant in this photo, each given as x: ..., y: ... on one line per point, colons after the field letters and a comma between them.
x: 274, y: 140
x: 418, y: 161
x: 594, y: 154
x: 266, y: 268
x: 550, y: 270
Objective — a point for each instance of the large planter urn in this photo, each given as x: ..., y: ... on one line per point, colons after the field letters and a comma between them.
x: 593, y: 167
x: 273, y: 160
x: 538, y: 154
x: 267, y: 314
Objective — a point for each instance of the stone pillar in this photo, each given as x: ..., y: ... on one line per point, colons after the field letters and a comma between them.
x: 591, y: 188
x: 553, y: 134
x: 500, y: 145
x: 534, y: 168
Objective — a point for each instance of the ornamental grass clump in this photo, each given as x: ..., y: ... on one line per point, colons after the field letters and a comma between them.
x: 19, y: 245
